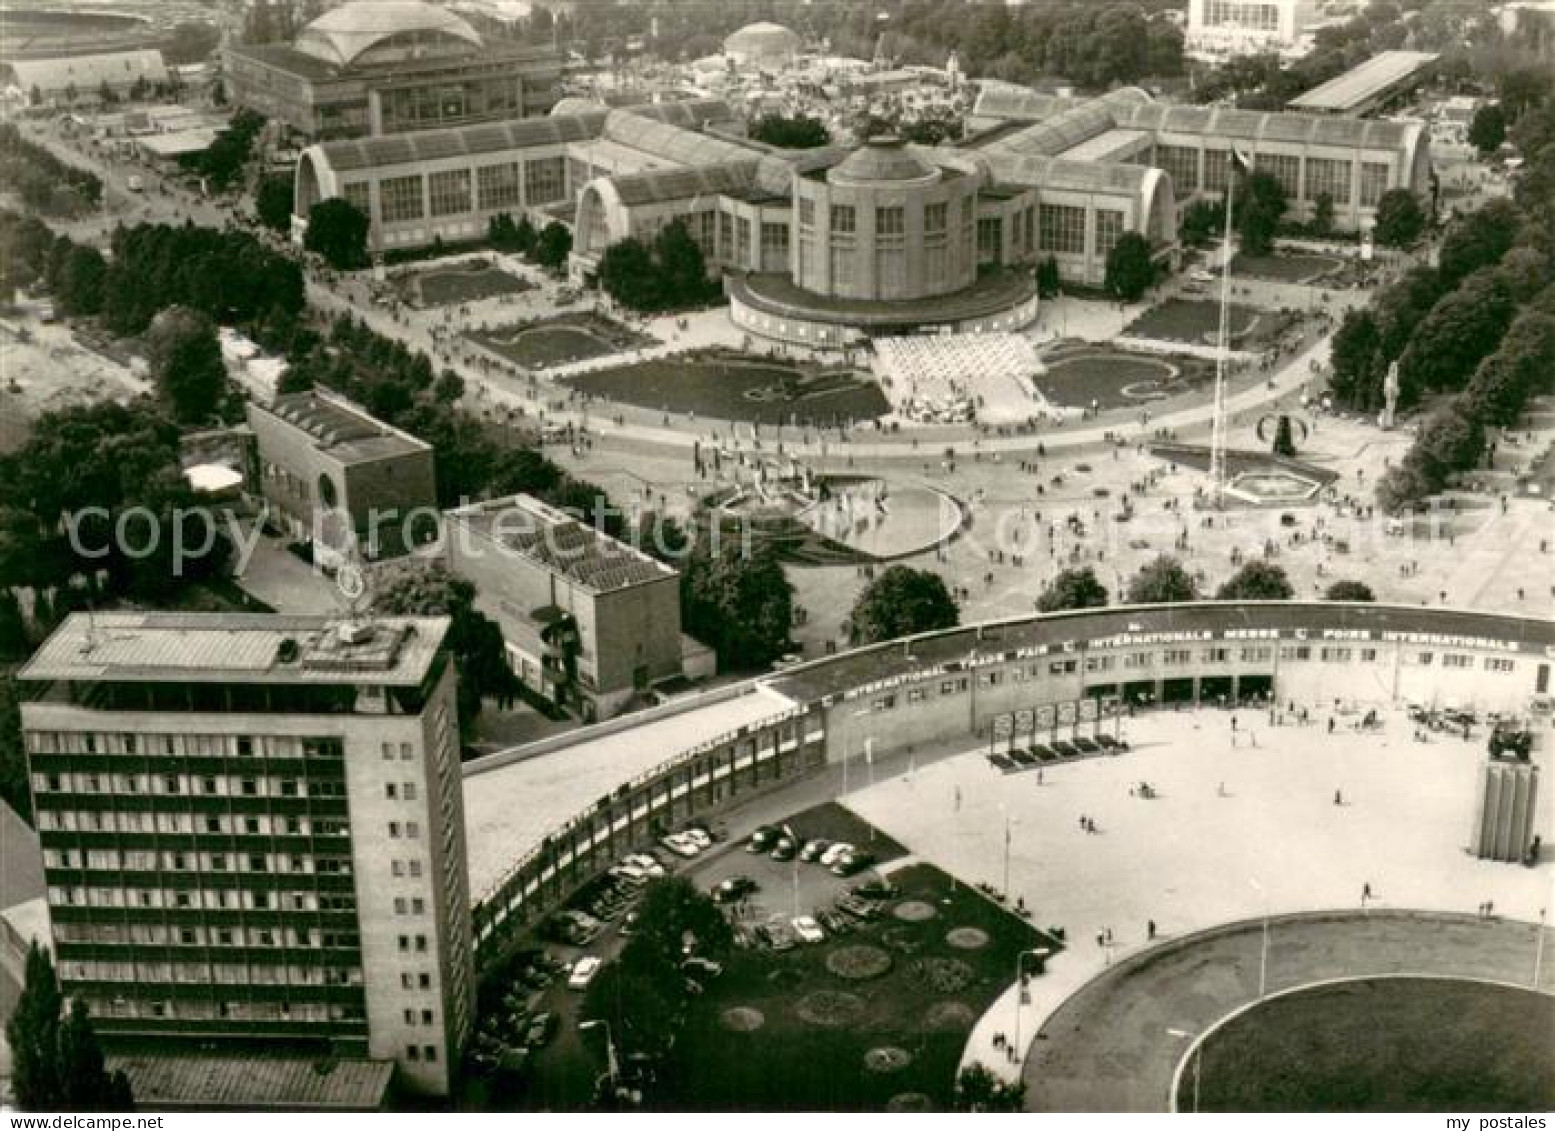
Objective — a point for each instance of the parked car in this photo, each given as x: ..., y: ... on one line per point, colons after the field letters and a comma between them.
x: 540, y: 1030
x: 647, y: 863
x: 762, y: 839
x: 734, y: 889
x: 785, y: 849
x: 808, y: 929
x: 853, y: 863
x: 680, y: 844
x: 813, y: 849
x: 583, y: 972
x: 1201, y: 276
x: 835, y: 853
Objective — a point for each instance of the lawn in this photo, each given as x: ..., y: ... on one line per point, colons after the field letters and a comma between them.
x: 560, y: 340
x: 464, y: 282
x: 1113, y: 379
x: 1388, y: 1044
x: 874, y: 1020
x: 1284, y: 268
x: 1193, y: 320
x: 732, y: 386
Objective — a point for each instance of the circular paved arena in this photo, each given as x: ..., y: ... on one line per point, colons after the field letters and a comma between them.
x: 1117, y: 1043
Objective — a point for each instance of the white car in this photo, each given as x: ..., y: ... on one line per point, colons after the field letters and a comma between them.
x: 835, y: 853
x: 680, y: 844
x: 583, y: 972
x: 698, y: 837
x: 808, y: 929
x: 1201, y: 276
x: 645, y: 862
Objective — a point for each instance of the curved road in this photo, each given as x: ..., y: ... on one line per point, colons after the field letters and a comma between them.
x: 1115, y: 1044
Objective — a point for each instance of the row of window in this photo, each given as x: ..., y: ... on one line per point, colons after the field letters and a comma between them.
x: 174, y: 785
x: 541, y: 181
x: 184, y: 899
x: 208, y: 973
x: 129, y: 1009
x: 130, y: 860
x: 188, y: 745
x: 156, y: 934
x: 135, y: 821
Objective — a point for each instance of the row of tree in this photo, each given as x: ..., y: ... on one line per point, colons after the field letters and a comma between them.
x: 1165, y: 581
x: 41, y: 180
x: 225, y: 161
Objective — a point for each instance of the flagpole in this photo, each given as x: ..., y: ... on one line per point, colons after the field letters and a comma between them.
x: 1217, y: 438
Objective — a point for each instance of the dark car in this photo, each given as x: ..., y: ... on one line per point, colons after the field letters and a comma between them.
x: 734, y: 889
x: 763, y: 838
x: 813, y: 849
x: 853, y: 863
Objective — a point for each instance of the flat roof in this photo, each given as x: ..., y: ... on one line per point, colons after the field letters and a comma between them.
x: 236, y: 648
x: 528, y: 528
x: 1363, y: 82
x: 1104, y: 147
x: 821, y: 678
x: 510, y: 809
x: 255, y: 1083
x: 339, y: 428
x: 176, y: 143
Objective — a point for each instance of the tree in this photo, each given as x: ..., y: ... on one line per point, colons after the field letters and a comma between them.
x: 1284, y: 443
x: 682, y: 265
x: 1161, y: 582
x: 674, y: 918
x: 1257, y: 581
x: 739, y: 603
x: 337, y: 230
x: 475, y: 641
x: 1464, y: 327
x: 273, y: 201
x: 1400, y: 219
x: 186, y: 365
x: 553, y: 246
x: 57, y: 1064
x: 1202, y: 222
x: 1477, y: 240
x: 1349, y: 591
x: 81, y: 280
x: 978, y: 1089
x: 1323, y: 214
x: 1073, y: 589
x: 15, y: 790
x: 1505, y: 381
x: 901, y: 602
x: 1130, y: 268
x: 1355, y: 354
x: 627, y: 274
x: 785, y: 132
x: 1523, y: 89
x: 1488, y: 129
x: 1048, y: 279
x: 1260, y: 206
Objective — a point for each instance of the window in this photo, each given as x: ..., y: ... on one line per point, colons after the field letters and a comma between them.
x: 890, y: 221
x: 1374, y: 182
x: 359, y: 195
x: 806, y: 213
x: 450, y: 192
x: 409, y: 791
x: 1493, y: 664
x: 421, y: 944
x: 399, y: 905
x: 934, y: 218
x: 990, y: 238
x: 1457, y: 660
x: 1109, y: 226
x: 412, y: 1052
x: 213, y: 824
x: 391, y: 791
x: 412, y: 830
x: 397, y: 868
x: 1217, y: 170
x: 774, y: 244
x: 388, y: 751
x: 415, y: 869
x: 1062, y: 229
x: 1334, y: 655
x: 394, y: 829
x: 426, y: 1017
x: 429, y: 1053
x: 424, y: 981
x: 545, y: 180
x: 402, y: 199
x: 1295, y: 652
x: 418, y: 906
x: 245, y: 747
x: 404, y: 942
x: 843, y: 218
x: 1328, y: 176
x: 1181, y: 163
x: 497, y: 186
x: 1284, y: 168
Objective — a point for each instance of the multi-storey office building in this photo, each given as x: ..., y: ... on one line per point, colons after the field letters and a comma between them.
x: 1223, y: 28
x: 253, y: 833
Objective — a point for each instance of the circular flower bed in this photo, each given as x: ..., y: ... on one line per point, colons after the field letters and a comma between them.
x: 743, y: 1019
x: 967, y: 938
x: 914, y: 911
x: 888, y: 1058
x: 858, y: 963
x: 949, y: 1016
x: 830, y: 1009
x: 943, y: 975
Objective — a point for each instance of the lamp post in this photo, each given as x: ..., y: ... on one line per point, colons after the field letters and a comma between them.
x: 610, y: 1050
x: 1538, y: 949
x: 1263, y: 950
x: 1020, y: 990
x: 1007, y: 823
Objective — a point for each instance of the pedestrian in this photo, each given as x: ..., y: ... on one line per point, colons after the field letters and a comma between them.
x: 1101, y: 939
x: 1338, y: 798
x: 1109, y: 936
x: 1150, y: 930
x: 1220, y: 790
x: 1490, y: 909
x: 1330, y: 724
x: 1039, y: 777
x: 1365, y: 891
x: 1082, y: 822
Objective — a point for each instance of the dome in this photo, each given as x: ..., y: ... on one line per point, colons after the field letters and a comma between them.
x: 344, y: 34
x: 882, y: 160
x: 763, y: 41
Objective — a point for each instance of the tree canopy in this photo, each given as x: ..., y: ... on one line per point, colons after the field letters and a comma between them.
x: 670, y: 274
x: 1260, y: 205
x: 273, y: 201
x: 902, y: 601
x: 57, y: 1063
x: 1162, y: 581
x: 1130, y: 268
x: 186, y: 365
x: 786, y: 131
x: 978, y: 1089
x: 737, y: 602
x: 1257, y: 581
x: 337, y: 230
x: 1400, y: 219
x: 1488, y: 129
x: 1349, y: 591
x: 1073, y: 589
x: 553, y: 246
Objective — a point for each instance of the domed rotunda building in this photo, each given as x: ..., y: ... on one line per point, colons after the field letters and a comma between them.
x: 763, y: 43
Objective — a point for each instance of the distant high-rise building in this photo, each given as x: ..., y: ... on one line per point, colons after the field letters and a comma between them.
x: 253, y: 834
x: 1244, y: 27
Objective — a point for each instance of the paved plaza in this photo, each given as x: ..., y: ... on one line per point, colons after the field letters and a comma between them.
x: 1192, y: 858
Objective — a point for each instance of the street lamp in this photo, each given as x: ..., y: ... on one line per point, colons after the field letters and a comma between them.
x: 1538, y: 949
x: 1263, y: 950
x: 1007, y: 823
x: 610, y: 1050
x: 1020, y: 989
